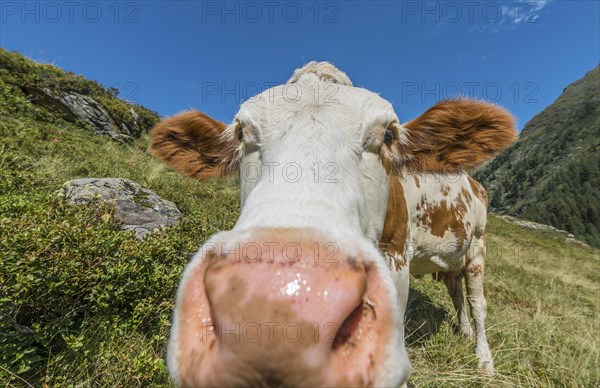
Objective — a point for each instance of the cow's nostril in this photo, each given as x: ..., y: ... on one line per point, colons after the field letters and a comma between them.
x: 348, y: 327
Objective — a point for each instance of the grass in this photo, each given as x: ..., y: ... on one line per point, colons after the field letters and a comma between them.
x: 99, y: 301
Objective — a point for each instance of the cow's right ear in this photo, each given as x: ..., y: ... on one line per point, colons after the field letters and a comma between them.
x: 453, y: 135
x: 195, y: 145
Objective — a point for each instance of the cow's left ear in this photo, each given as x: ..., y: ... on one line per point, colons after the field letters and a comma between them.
x: 454, y: 135
x: 195, y: 145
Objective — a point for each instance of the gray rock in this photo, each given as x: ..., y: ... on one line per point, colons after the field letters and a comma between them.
x: 88, y: 110
x: 136, y: 126
x: 137, y: 208
x: 74, y: 106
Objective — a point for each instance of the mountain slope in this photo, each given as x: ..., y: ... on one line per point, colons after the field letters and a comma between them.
x: 552, y: 174
x: 73, y: 98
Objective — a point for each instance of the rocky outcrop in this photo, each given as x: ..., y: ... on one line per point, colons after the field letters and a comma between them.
x: 547, y: 230
x: 74, y: 106
x: 136, y: 208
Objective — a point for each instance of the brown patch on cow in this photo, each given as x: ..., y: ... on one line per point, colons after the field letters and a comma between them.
x: 475, y: 270
x: 454, y: 135
x: 394, y: 235
x: 444, y: 216
x: 479, y: 191
x: 468, y: 198
x: 417, y: 182
x: 397, y: 262
x: 193, y: 144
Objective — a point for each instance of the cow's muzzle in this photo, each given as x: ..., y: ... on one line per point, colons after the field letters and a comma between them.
x: 279, y: 307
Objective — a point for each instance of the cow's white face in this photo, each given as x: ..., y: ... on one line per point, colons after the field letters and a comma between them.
x: 297, y: 293
x: 312, y: 155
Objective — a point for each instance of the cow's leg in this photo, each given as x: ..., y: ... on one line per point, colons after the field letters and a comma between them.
x: 473, y: 273
x: 457, y: 295
x: 453, y: 282
x: 399, y: 265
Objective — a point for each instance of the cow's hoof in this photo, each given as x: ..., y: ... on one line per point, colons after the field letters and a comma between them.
x: 486, y: 365
x: 467, y: 331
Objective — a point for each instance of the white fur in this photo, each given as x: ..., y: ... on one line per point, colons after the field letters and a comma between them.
x: 303, y: 131
x: 324, y: 70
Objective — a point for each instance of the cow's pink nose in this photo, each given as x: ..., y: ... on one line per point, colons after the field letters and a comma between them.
x: 297, y: 306
x: 280, y: 314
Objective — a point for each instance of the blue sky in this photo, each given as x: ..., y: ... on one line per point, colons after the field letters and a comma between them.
x: 210, y: 55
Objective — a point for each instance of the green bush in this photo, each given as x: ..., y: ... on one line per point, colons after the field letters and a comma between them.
x: 73, y: 283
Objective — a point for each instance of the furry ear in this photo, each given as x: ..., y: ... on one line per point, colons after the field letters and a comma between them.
x: 195, y: 145
x: 454, y: 135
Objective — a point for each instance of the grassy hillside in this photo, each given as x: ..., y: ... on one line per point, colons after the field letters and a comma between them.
x: 552, y: 174
x: 82, y: 303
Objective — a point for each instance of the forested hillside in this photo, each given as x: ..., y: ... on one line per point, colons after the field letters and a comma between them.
x: 552, y: 174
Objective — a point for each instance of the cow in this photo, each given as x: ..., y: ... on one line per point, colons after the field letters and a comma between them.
x: 445, y: 237
x: 310, y: 286
x: 436, y: 213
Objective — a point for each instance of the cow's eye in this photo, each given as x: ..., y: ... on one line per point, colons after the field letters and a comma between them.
x: 240, y: 134
x: 389, y: 136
